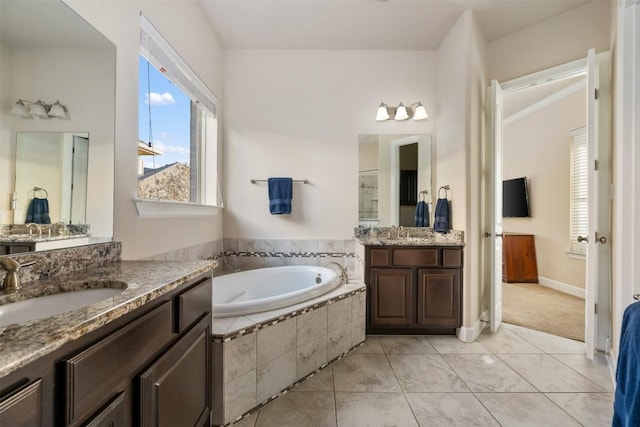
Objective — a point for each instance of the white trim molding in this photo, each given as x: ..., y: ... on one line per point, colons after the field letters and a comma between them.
x: 471, y: 333
x: 562, y: 287
x: 169, y: 209
x: 554, y: 97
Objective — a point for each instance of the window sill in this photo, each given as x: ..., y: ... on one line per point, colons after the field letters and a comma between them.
x: 167, y: 209
x: 576, y: 255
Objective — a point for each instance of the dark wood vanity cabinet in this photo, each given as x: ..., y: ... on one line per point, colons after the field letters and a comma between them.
x: 150, y: 367
x: 413, y: 290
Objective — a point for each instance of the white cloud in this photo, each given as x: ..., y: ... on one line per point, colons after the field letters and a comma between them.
x: 160, y: 98
x: 171, y: 149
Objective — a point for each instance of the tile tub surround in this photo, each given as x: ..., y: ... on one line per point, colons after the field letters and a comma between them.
x: 260, y: 356
x: 247, y: 254
x: 22, y: 343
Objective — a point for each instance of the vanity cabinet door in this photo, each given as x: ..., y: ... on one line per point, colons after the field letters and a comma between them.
x: 175, y: 390
x: 391, y: 297
x: 113, y: 415
x: 22, y: 408
x: 439, y: 297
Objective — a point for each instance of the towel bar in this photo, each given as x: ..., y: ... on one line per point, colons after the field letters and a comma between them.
x: 304, y: 181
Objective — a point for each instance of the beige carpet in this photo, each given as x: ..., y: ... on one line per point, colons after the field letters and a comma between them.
x: 537, y: 307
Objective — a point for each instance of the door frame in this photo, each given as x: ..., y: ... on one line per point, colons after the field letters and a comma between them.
x: 560, y: 72
x: 626, y: 245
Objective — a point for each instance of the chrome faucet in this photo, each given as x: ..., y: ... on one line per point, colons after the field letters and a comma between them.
x: 37, y: 226
x: 344, y: 277
x: 400, y: 230
x: 11, y: 280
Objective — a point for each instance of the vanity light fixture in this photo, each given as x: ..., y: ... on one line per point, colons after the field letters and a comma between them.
x: 27, y: 109
x: 401, y: 112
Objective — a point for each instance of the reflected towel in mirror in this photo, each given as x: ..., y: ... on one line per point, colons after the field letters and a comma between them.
x: 38, y: 211
x: 422, y: 214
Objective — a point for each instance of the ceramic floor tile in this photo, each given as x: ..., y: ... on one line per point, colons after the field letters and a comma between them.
x: 549, y: 343
x: 525, y: 410
x: 590, y: 409
x: 504, y: 341
x: 449, y: 409
x: 406, y: 344
x: 371, y: 345
x: 299, y: 409
x: 487, y: 373
x: 322, y: 381
x: 548, y: 374
x: 364, y: 373
x: 373, y: 410
x: 451, y: 344
x: 597, y: 370
x: 423, y: 373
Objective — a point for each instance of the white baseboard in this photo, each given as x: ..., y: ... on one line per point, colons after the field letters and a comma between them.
x: 562, y: 287
x: 471, y: 333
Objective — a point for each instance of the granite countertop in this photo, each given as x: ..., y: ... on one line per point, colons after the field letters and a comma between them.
x: 417, y: 236
x: 144, y: 281
x: 32, y: 238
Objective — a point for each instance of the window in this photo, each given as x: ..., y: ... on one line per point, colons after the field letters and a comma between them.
x: 177, y: 137
x: 578, y: 190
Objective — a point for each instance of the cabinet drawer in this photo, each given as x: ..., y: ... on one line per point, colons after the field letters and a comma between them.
x: 380, y: 257
x: 415, y: 257
x: 23, y: 408
x: 93, y: 374
x: 193, y: 304
x: 451, y: 258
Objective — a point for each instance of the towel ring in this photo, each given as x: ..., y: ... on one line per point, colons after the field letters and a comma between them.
x: 423, y: 195
x: 446, y: 191
x: 38, y: 189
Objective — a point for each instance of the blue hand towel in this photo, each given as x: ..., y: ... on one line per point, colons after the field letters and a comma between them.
x: 422, y: 214
x: 441, y: 220
x: 626, y: 407
x: 38, y: 211
x: 280, y: 194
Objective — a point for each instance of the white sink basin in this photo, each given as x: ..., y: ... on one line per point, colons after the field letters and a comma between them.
x: 50, y: 305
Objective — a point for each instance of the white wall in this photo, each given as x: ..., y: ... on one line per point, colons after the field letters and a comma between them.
x: 71, y: 78
x: 538, y: 146
x: 555, y: 41
x: 184, y: 26
x: 462, y: 73
x: 299, y: 113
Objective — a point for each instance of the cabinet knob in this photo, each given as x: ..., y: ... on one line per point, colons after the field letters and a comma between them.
x: 601, y: 239
x: 583, y: 239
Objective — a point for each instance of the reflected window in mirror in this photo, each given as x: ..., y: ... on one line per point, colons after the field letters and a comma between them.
x: 178, y: 130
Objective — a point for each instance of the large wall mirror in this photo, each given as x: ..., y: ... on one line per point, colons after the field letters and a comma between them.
x: 394, y: 174
x: 49, y: 53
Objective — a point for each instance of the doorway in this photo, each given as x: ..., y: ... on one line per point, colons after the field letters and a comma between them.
x: 597, y: 328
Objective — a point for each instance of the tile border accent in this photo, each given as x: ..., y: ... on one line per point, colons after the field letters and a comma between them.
x: 261, y: 325
x: 295, y: 384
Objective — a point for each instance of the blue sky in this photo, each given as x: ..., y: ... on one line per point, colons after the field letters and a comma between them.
x: 169, y: 117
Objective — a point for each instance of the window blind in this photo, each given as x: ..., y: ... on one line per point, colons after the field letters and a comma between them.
x: 578, y: 190
x: 155, y: 49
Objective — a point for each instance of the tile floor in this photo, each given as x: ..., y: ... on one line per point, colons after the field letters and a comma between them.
x: 514, y: 377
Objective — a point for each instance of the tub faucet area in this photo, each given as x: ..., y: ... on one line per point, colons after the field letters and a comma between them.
x: 344, y: 277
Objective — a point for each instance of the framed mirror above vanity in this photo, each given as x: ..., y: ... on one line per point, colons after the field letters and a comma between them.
x: 394, y: 174
x: 49, y: 53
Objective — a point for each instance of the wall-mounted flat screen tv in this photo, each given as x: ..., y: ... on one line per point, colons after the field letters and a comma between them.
x: 515, y: 201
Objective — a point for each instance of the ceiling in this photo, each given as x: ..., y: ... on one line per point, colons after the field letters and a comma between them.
x: 367, y: 24
x: 45, y: 24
